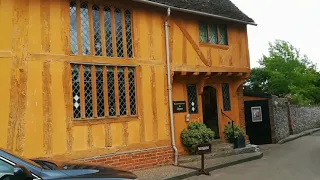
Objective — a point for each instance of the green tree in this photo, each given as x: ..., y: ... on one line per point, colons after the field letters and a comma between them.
x: 286, y: 73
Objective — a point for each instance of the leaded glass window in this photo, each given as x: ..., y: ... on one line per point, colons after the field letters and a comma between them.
x: 88, y: 91
x: 129, y: 33
x: 73, y: 28
x: 76, y: 91
x: 100, y: 91
x: 101, y: 101
x: 108, y: 31
x: 226, y: 97
x: 111, y: 92
x: 122, y: 92
x: 97, y: 30
x: 213, y: 33
x: 223, y: 34
x: 115, y: 22
x: 203, y: 29
x: 132, y: 91
x: 84, y: 16
x: 192, y: 98
x: 119, y: 36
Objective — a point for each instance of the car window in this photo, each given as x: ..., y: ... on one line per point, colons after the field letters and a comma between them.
x: 5, y: 168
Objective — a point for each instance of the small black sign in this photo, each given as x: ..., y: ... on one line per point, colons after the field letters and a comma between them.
x: 204, y: 148
x: 179, y: 106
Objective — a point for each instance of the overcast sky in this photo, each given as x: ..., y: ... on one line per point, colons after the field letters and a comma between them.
x: 296, y: 21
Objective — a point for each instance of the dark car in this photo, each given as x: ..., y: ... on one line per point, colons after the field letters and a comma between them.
x: 13, y: 167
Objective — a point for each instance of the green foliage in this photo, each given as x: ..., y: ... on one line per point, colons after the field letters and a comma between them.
x: 196, y: 133
x: 228, y: 132
x: 285, y: 73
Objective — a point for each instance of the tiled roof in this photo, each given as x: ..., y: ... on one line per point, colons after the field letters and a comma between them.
x: 221, y: 8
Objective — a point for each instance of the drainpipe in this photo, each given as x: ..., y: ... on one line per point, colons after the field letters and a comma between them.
x: 173, y: 140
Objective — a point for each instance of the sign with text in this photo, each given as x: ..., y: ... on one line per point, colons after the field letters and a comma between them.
x: 179, y: 106
x: 204, y: 148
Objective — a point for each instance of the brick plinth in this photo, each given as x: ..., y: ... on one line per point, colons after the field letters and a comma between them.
x: 133, y: 160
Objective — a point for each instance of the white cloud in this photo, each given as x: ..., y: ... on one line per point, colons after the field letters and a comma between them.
x: 295, y: 21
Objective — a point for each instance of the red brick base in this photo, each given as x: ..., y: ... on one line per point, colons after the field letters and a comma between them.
x: 133, y: 160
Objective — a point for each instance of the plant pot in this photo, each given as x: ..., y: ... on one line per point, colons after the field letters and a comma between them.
x: 240, y: 142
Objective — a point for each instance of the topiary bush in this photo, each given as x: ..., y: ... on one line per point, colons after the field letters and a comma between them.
x: 228, y: 132
x: 195, y: 134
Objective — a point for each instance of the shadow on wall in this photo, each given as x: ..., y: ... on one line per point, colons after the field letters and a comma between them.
x: 301, y: 117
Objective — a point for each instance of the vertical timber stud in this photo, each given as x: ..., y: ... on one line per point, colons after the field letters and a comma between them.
x: 154, y: 103
x: 65, y: 30
x: 67, y: 91
x: 108, y: 137
x: 125, y: 133
x: 184, y: 50
x: 45, y: 25
x: 19, y: 77
x: 90, y: 137
x: 139, y: 79
x: 166, y: 100
x: 150, y: 36
x: 47, y: 108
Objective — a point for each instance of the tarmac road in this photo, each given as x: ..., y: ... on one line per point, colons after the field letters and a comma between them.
x: 295, y: 160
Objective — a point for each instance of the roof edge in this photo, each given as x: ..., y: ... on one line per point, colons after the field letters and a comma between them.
x: 195, y: 12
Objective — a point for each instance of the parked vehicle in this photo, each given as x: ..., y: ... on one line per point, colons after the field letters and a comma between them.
x: 13, y: 167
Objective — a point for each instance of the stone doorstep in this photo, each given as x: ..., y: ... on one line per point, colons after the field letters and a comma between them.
x: 224, y: 152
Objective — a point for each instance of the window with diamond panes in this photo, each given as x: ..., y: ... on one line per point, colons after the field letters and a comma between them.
x: 111, y: 35
x: 97, y: 30
x: 85, y: 33
x: 76, y: 91
x: 192, y: 98
x: 73, y: 28
x: 226, y: 97
x: 132, y: 91
x: 213, y: 33
x: 103, y: 91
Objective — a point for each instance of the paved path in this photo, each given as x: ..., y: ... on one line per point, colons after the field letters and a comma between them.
x: 295, y: 160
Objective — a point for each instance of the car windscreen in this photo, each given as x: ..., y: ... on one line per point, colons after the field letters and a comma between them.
x: 23, y: 159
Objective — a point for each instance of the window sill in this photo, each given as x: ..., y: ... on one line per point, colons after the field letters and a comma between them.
x: 105, y: 120
x: 219, y: 46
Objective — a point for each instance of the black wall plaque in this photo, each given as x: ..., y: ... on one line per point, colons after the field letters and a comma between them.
x: 179, y: 106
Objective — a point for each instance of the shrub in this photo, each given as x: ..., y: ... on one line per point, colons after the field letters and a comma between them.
x: 196, y: 133
x: 228, y: 132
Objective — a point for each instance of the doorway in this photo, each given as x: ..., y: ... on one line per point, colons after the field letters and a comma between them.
x: 258, y: 122
x: 210, y: 110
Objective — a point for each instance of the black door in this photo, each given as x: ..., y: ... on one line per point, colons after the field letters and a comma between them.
x: 210, y: 109
x: 258, y: 122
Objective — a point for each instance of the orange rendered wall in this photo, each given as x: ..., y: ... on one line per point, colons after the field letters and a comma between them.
x: 35, y: 76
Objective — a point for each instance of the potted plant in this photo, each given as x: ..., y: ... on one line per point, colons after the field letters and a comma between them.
x: 195, y: 134
x: 235, y: 135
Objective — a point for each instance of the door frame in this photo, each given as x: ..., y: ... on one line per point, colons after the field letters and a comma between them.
x: 213, y: 86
